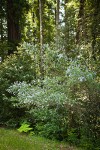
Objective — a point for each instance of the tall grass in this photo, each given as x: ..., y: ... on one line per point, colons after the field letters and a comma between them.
x: 12, y: 140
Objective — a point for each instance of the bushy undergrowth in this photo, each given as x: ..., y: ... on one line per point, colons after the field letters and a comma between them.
x: 64, y: 107
x: 65, y: 110
x: 16, y: 67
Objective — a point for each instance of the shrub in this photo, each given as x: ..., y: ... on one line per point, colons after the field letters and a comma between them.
x: 66, y: 106
x: 61, y: 108
x: 16, y: 67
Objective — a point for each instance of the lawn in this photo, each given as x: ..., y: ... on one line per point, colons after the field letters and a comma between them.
x: 13, y: 140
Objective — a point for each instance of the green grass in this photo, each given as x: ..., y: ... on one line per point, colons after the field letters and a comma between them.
x: 13, y: 140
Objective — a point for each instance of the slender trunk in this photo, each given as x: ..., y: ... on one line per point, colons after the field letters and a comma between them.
x: 41, y: 25
x: 1, y: 20
x: 57, y: 13
x: 66, y: 29
x: 1, y: 29
x: 41, y: 39
x: 57, y: 22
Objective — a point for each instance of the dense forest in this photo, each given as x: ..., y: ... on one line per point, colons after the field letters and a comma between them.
x: 50, y: 69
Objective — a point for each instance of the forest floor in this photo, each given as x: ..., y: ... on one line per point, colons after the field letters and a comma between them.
x: 13, y: 140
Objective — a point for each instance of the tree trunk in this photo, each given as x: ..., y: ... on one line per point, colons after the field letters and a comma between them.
x: 57, y: 13
x: 41, y: 39
x: 66, y: 45
x: 1, y: 20
x: 79, y: 33
x: 1, y: 29
x: 13, y: 26
x: 95, y: 29
x: 57, y: 22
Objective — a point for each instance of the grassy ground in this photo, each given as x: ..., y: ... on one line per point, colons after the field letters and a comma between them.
x: 12, y: 140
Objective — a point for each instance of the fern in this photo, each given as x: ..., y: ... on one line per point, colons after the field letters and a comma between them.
x: 25, y: 128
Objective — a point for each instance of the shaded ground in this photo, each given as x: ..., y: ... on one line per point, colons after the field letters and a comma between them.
x: 12, y: 140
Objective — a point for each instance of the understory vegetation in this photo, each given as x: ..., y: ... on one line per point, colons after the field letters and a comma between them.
x: 64, y: 106
x: 50, y: 71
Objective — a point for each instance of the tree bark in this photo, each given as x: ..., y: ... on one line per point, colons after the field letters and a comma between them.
x: 95, y: 29
x: 57, y: 22
x: 1, y: 29
x: 79, y: 32
x: 41, y: 39
x: 13, y: 26
x: 66, y: 29
x: 1, y: 20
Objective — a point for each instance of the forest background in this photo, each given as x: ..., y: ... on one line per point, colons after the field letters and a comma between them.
x: 49, y: 68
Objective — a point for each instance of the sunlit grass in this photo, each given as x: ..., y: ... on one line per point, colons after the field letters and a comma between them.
x: 12, y: 140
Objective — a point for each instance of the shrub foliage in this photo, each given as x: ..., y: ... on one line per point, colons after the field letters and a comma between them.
x: 64, y: 106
